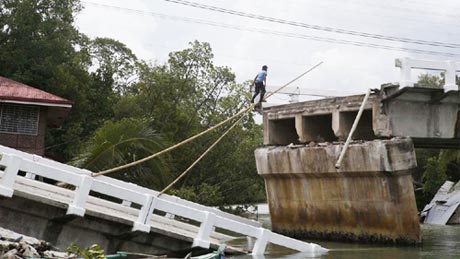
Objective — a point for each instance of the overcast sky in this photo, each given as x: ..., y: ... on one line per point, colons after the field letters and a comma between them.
x: 153, y: 28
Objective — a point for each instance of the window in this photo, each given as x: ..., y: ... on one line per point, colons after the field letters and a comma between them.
x: 19, y: 119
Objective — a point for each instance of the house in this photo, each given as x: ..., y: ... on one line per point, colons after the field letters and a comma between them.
x: 26, y: 112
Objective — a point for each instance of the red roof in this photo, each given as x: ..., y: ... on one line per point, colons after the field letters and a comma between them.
x: 15, y: 91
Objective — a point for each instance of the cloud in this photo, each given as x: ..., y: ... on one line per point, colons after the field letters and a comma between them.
x: 345, y: 69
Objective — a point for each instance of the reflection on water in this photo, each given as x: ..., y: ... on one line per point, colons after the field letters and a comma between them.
x: 438, y: 242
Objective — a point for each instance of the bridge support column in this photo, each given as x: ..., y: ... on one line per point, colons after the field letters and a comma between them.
x: 369, y: 199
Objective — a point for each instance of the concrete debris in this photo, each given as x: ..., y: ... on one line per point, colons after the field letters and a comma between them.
x: 444, y: 207
x: 14, y: 245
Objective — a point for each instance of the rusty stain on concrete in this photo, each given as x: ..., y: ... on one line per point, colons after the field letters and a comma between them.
x: 371, y: 197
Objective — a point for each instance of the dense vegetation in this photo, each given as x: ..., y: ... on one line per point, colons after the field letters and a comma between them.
x: 126, y: 109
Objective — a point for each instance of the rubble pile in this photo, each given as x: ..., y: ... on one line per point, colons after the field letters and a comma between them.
x: 14, y: 245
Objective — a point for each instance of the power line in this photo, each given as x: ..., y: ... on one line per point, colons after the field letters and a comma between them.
x: 430, y: 4
x: 411, y: 15
x: 315, y: 27
x: 283, y: 34
x: 389, y: 7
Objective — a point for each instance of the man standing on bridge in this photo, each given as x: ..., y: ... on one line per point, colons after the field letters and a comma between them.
x: 260, y: 81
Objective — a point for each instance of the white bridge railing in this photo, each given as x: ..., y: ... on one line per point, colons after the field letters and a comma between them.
x: 14, y: 161
x: 450, y: 68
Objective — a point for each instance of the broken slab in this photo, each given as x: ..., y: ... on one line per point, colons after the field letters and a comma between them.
x: 369, y: 199
x: 444, y: 207
x: 430, y: 116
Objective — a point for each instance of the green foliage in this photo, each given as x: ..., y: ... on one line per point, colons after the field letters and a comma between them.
x: 116, y: 64
x: 37, y: 36
x: 122, y: 142
x: 434, y: 175
x: 91, y: 252
x: 434, y: 81
x: 126, y: 109
x: 429, y: 81
x: 40, y: 46
x: 203, y: 193
x: 186, y: 96
x: 434, y: 168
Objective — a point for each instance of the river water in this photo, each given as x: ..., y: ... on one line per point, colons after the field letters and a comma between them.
x: 438, y: 242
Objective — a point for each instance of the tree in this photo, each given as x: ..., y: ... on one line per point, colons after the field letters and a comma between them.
x: 40, y: 46
x: 429, y: 81
x: 37, y: 37
x: 434, y: 175
x: 186, y: 96
x: 122, y: 142
x: 120, y: 101
x: 115, y: 64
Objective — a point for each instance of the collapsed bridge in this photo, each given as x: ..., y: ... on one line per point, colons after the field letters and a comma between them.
x: 370, y: 197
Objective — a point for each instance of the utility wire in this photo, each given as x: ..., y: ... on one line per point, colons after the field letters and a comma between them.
x: 366, y: 9
x: 389, y: 7
x: 282, y: 34
x: 315, y: 27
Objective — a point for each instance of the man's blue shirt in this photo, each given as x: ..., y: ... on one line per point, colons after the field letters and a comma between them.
x: 260, y: 77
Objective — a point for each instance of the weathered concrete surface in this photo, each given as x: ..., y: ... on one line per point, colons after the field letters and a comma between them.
x: 320, y: 120
x: 50, y: 223
x: 371, y: 197
x: 38, y: 209
x: 431, y: 117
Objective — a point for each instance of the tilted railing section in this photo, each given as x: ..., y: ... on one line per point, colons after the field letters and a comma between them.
x: 14, y: 161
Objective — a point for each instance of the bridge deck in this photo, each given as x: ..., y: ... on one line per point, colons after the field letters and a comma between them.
x: 431, y: 117
x: 130, y: 205
x: 60, y: 197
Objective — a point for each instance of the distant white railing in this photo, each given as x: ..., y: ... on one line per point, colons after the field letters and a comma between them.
x: 450, y: 67
x: 14, y: 161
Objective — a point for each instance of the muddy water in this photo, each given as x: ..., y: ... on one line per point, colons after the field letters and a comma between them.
x: 438, y: 242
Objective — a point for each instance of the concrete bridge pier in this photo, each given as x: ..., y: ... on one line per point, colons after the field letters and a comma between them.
x: 369, y: 199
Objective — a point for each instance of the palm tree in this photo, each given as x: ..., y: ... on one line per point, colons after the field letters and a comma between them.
x: 122, y: 142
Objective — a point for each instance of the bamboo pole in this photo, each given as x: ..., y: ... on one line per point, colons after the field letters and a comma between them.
x: 353, y: 128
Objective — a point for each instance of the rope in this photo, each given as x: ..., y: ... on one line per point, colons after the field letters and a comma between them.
x: 202, y: 155
x: 221, y: 137
x: 293, y: 80
x: 243, y: 111
x: 171, y: 147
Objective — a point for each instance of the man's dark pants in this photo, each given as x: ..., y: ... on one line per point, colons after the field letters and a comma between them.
x: 260, y: 87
